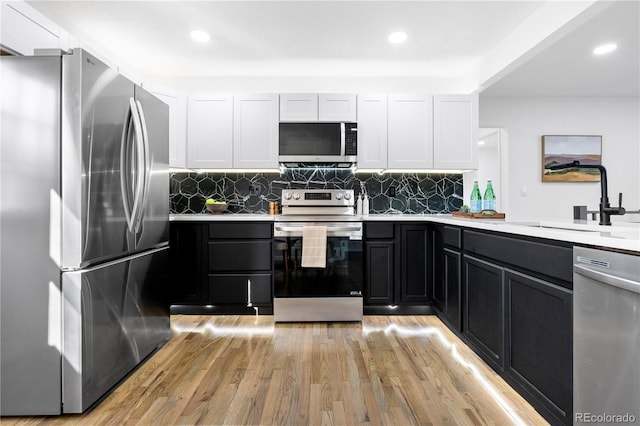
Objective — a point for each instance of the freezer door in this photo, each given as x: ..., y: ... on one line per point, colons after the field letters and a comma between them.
x: 114, y: 316
x: 30, y: 321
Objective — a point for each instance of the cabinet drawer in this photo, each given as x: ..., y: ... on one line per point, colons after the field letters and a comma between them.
x: 378, y: 230
x: 234, y: 289
x: 548, y: 259
x: 225, y: 231
x: 240, y: 255
x: 452, y: 236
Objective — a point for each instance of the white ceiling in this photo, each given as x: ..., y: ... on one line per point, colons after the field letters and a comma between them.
x: 569, y: 68
x: 321, y: 38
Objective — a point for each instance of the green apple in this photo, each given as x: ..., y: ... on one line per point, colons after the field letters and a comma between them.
x: 210, y: 201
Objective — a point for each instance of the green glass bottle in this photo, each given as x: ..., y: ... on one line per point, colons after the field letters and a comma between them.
x: 476, y: 199
x: 489, y: 199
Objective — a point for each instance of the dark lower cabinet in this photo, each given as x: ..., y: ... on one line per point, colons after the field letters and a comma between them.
x: 241, y: 289
x: 379, y: 270
x: 221, y: 267
x: 453, y: 287
x: 414, y: 272
x: 484, y: 309
x: 397, y: 268
x: 539, y: 342
x: 187, y: 268
x: 517, y: 315
x: 447, y: 275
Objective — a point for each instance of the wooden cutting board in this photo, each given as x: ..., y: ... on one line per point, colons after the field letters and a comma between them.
x: 484, y: 214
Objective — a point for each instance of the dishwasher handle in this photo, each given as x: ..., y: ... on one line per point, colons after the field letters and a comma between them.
x: 609, y: 279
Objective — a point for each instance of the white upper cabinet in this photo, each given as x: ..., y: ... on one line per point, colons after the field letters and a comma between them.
x: 372, y: 131
x: 210, y: 132
x: 255, y: 137
x: 177, y: 125
x: 410, y: 132
x: 301, y: 107
x: 455, y: 129
x: 23, y: 29
x: 336, y: 107
x: 311, y: 107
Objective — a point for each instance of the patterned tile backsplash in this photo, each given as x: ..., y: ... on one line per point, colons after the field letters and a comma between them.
x: 415, y: 193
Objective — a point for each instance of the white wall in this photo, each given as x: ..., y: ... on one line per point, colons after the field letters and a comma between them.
x: 488, y: 168
x: 528, y: 118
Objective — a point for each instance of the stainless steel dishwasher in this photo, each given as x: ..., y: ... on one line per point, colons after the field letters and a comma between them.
x: 606, y: 337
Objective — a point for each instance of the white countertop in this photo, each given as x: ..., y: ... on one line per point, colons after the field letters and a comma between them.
x: 622, y: 235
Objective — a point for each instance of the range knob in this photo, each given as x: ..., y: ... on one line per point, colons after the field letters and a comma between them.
x: 347, y: 196
x: 338, y: 196
x: 296, y: 196
x: 287, y: 196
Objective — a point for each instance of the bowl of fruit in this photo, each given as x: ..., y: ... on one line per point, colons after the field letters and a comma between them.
x: 216, y: 207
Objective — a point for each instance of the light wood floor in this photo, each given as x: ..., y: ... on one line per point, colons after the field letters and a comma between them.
x: 245, y: 370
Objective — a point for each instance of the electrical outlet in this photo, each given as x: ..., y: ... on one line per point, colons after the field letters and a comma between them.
x: 392, y: 191
x: 254, y: 189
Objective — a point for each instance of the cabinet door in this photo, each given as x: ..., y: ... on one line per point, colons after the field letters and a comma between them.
x: 177, y: 125
x: 240, y: 289
x: 484, y: 309
x: 240, y: 255
x: 187, y: 268
x: 210, y: 132
x: 452, y: 263
x: 410, y: 132
x: 414, y: 268
x: 336, y: 107
x: 439, y: 289
x: 372, y: 131
x: 379, y: 273
x: 24, y: 29
x: 301, y: 107
x: 255, y: 137
x: 539, y: 341
x: 455, y: 130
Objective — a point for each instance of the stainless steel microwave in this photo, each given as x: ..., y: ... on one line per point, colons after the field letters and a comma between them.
x: 303, y: 144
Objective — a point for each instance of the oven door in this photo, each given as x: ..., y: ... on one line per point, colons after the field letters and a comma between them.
x: 342, y: 275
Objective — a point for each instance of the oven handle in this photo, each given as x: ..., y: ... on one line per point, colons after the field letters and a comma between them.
x: 329, y: 228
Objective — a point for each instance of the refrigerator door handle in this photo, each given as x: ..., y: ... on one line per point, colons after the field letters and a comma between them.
x: 125, y: 188
x: 140, y: 166
x: 146, y: 170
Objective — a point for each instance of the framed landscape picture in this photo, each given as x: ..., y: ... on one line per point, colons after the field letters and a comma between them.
x: 558, y: 149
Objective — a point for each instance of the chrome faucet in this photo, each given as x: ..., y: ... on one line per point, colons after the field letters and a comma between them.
x: 606, y: 211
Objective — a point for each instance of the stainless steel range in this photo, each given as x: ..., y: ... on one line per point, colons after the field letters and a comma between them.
x: 318, y: 257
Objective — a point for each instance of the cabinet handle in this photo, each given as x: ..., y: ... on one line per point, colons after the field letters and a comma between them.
x: 249, y: 304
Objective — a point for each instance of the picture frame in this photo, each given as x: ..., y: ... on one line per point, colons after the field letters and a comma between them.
x: 559, y: 149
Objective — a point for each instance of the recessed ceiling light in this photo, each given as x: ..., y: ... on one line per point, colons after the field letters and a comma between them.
x: 481, y: 142
x: 397, y: 37
x: 200, y: 36
x: 605, y: 48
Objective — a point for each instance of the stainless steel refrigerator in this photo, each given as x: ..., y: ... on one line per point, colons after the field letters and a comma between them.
x: 84, y: 208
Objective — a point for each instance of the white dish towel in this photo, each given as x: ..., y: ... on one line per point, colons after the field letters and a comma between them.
x: 314, y: 246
